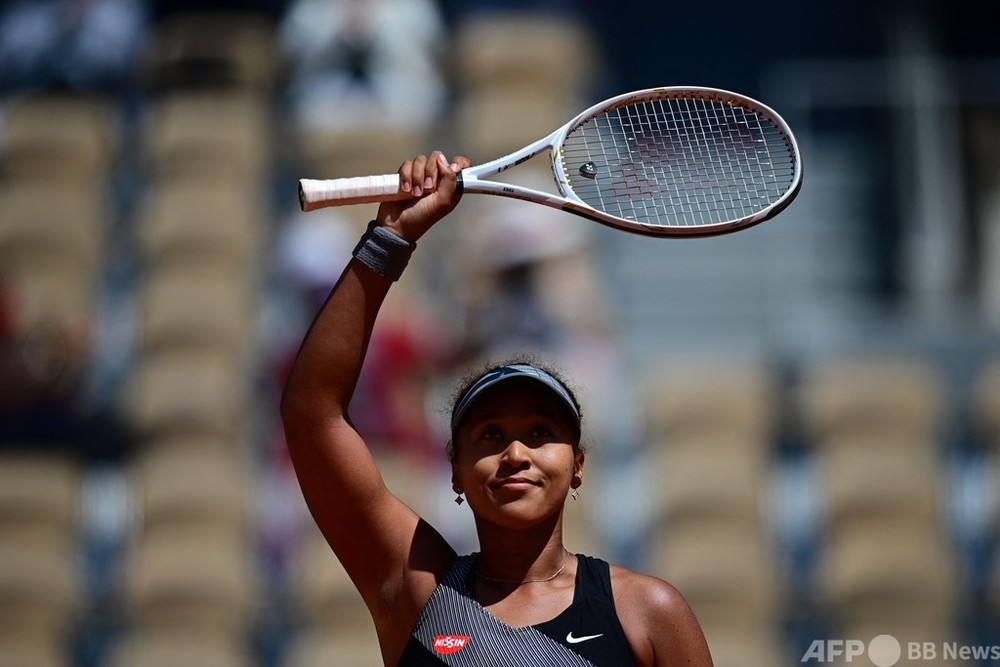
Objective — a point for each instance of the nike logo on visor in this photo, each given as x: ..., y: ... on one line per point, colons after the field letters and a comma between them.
x: 570, y: 639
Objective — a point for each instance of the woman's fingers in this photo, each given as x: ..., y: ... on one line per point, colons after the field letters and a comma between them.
x: 423, y: 173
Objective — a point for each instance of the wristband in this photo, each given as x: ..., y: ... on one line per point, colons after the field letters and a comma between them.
x: 383, y: 252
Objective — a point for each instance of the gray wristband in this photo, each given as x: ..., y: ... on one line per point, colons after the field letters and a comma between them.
x: 383, y: 252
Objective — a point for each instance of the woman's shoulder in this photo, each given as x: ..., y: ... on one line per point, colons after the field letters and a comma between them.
x: 646, y: 605
x: 637, y: 589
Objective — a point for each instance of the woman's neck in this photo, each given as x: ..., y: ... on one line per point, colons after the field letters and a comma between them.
x: 513, y: 557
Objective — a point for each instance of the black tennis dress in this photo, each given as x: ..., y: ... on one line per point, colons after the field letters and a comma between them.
x: 453, y: 629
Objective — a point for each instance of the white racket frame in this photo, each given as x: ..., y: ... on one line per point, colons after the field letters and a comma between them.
x: 315, y: 194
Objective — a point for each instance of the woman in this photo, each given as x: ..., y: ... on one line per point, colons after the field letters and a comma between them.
x: 515, y: 456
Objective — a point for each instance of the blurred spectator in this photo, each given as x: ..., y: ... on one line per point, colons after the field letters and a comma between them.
x: 85, y: 45
x: 363, y: 62
x: 312, y: 250
x: 525, y: 284
x: 44, y: 404
x: 403, y: 354
x: 530, y: 281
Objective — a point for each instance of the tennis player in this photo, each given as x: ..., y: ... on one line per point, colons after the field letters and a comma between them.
x: 523, y: 600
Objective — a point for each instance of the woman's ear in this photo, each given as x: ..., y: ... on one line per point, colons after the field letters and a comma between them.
x: 578, y: 469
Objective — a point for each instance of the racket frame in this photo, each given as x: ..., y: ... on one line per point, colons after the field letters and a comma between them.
x: 475, y: 179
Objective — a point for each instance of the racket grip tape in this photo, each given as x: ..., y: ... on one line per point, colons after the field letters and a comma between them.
x: 314, y: 194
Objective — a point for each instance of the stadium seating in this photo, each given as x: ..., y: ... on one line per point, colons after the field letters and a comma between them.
x: 984, y: 404
x: 874, y: 393
x: 213, y: 49
x: 734, y: 396
x: 61, y: 138
x: 168, y: 648
x: 215, y: 134
x: 186, y: 189
x: 191, y: 576
x: 42, y: 590
x: 189, y: 483
x: 875, y: 425
x: 538, y: 85
x: 711, y: 426
x: 210, y: 220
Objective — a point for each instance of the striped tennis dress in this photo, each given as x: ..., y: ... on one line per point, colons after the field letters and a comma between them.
x: 454, y: 629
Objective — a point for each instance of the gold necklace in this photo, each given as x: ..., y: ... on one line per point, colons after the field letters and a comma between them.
x: 480, y: 573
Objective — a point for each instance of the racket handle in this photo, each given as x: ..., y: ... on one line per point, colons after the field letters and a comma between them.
x: 314, y: 194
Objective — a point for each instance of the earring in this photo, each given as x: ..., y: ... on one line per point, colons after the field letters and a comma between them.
x: 459, y: 499
x: 575, y: 495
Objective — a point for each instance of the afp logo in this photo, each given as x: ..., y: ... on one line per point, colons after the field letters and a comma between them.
x: 882, y: 651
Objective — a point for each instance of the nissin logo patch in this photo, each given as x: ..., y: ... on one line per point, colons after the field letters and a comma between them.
x: 448, y: 644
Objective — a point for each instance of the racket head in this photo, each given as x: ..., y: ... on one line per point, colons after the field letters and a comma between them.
x: 677, y: 161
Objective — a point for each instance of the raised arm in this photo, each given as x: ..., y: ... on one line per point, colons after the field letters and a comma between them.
x: 391, y: 556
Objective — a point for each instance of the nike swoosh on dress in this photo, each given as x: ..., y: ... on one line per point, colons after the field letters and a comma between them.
x: 570, y: 639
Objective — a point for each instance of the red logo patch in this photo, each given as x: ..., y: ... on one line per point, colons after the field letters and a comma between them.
x: 448, y: 644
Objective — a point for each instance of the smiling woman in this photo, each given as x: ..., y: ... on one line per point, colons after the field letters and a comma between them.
x: 516, y: 456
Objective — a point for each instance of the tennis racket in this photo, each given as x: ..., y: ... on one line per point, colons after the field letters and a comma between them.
x: 674, y: 162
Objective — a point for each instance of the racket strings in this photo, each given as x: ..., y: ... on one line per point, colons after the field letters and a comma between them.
x: 679, y: 161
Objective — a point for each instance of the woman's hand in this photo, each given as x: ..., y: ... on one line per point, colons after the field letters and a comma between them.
x: 433, y: 182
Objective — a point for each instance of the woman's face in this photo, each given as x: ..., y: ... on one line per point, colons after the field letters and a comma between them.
x: 515, y: 460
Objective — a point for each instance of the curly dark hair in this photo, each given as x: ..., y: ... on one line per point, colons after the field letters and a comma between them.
x: 471, y: 377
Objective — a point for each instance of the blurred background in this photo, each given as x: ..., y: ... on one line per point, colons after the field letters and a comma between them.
x: 798, y: 425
